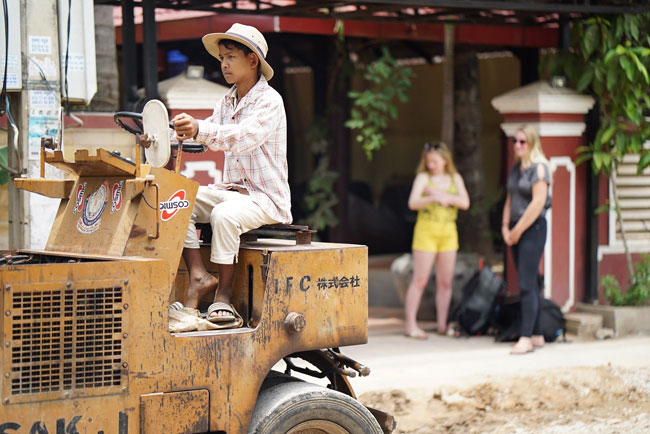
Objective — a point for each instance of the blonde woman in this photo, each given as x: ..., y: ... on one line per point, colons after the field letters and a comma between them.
x: 438, y: 192
x: 524, y: 229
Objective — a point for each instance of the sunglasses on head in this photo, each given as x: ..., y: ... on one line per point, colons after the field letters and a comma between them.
x: 435, y: 146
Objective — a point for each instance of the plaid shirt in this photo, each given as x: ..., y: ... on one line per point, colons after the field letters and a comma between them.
x: 253, y: 135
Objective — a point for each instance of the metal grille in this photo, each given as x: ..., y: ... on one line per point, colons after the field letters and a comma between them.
x: 66, y: 342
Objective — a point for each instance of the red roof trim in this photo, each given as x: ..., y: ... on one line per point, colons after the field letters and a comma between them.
x: 195, y: 28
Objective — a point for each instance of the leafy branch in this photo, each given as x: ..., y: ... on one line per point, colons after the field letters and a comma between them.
x: 320, y: 198
x: 373, y: 107
x: 611, y: 57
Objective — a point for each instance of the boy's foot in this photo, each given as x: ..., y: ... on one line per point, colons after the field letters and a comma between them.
x: 219, y: 314
x: 199, y: 287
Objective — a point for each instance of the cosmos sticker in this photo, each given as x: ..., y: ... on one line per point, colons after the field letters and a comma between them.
x: 116, y: 195
x: 169, y: 208
x: 78, y: 204
x: 93, y: 208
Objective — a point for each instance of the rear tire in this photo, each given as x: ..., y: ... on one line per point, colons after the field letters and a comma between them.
x: 299, y: 408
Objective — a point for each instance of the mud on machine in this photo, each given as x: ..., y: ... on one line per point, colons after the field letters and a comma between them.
x: 86, y: 340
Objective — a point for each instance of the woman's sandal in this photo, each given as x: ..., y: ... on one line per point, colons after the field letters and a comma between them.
x: 421, y: 335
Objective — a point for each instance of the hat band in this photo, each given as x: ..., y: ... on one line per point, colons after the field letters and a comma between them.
x: 257, y: 48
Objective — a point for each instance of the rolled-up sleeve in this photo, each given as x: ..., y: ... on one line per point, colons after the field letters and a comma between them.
x: 248, y: 134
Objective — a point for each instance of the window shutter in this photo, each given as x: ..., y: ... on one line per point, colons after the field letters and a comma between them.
x: 634, y: 199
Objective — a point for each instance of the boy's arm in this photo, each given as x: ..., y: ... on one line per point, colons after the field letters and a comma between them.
x: 248, y: 134
x: 186, y: 127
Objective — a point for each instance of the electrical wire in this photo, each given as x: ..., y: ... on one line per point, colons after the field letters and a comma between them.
x: 3, y: 95
x: 78, y: 120
x: 147, y: 202
x: 14, y: 144
x: 40, y: 72
x: 9, y: 169
x: 67, y: 53
x: 12, y: 122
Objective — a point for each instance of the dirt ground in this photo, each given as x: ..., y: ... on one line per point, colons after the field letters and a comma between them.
x: 562, y: 400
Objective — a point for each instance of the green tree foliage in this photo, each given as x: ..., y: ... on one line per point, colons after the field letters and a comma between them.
x: 386, y: 81
x: 610, y: 56
x: 320, y: 198
x: 638, y: 291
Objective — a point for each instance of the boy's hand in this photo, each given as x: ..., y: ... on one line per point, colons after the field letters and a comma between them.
x: 186, y: 126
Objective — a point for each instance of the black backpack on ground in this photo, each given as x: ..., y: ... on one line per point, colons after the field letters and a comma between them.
x: 507, y: 319
x: 552, y: 322
x: 475, y: 311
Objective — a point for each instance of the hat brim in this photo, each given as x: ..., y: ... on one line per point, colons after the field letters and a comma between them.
x: 211, y: 44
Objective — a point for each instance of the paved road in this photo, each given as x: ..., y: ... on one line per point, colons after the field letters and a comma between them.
x: 398, y: 362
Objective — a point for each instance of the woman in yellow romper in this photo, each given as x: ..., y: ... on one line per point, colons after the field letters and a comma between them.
x: 438, y: 192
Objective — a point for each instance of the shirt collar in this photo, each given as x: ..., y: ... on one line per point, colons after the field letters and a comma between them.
x: 231, y: 96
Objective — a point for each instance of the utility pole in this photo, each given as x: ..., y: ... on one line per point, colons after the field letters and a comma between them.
x: 36, y: 112
x: 149, y: 46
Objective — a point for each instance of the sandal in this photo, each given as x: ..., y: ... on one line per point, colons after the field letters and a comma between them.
x: 222, y: 307
x: 421, y: 335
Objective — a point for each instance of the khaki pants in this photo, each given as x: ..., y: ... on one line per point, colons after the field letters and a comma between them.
x: 230, y: 214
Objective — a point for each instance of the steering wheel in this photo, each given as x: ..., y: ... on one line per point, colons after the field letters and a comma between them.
x: 121, y: 118
x: 132, y: 122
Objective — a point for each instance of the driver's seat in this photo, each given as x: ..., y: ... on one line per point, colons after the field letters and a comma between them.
x: 301, y: 233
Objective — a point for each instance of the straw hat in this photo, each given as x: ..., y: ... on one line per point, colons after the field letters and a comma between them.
x: 247, y: 35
